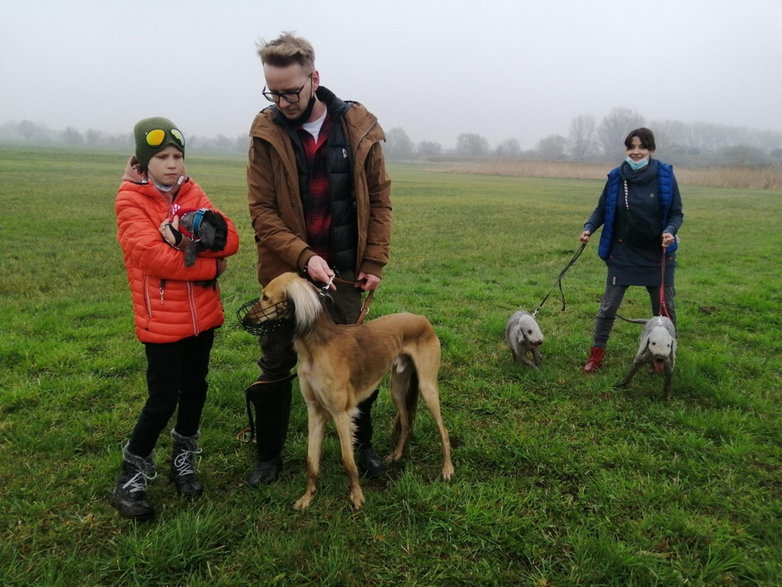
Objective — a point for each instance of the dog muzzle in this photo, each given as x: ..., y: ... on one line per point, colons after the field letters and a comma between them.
x: 259, y: 321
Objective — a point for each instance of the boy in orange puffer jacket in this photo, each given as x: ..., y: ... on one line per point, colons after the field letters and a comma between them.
x: 176, y: 309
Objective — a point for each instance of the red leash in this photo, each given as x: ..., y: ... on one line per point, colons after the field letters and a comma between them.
x: 663, y: 307
x: 366, y: 302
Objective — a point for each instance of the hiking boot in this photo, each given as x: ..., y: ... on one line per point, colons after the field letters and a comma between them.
x: 369, y: 465
x: 265, y: 472
x: 595, y: 359
x: 129, y: 496
x: 271, y: 401
x: 184, y: 463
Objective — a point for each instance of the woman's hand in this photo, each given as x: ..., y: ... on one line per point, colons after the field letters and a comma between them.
x: 584, y: 238
x: 668, y: 239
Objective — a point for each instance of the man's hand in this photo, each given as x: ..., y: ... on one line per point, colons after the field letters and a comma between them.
x: 319, y: 270
x: 367, y: 281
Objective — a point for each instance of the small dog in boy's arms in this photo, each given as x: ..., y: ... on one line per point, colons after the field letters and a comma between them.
x: 198, y: 230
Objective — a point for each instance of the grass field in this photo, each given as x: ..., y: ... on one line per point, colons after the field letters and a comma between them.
x: 561, y: 479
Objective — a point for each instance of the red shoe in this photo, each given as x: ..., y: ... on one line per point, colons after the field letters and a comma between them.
x: 595, y: 359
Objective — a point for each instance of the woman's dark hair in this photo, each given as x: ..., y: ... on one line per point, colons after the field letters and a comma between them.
x: 644, y: 135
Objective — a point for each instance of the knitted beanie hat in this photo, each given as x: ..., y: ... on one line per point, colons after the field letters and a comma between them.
x: 155, y: 134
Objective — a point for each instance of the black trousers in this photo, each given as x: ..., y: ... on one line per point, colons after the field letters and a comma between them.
x: 176, y: 378
x: 612, y: 299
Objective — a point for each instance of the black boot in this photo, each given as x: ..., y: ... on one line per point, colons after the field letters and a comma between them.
x: 184, y: 465
x: 369, y: 465
x: 272, y: 402
x: 129, y: 496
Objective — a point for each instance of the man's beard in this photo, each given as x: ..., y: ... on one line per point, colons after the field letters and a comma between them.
x: 303, y: 117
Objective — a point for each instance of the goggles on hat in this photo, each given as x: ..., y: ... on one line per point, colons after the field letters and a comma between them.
x: 156, y: 137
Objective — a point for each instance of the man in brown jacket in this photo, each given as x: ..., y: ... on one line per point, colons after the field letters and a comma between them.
x: 319, y: 199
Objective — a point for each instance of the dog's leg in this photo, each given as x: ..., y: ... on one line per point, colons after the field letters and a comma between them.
x: 631, y: 372
x: 316, y: 424
x: 427, y: 384
x: 400, y: 390
x: 668, y: 379
x: 344, y: 423
x: 536, y: 356
x: 527, y: 362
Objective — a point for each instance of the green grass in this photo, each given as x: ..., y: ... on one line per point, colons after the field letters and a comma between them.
x: 561, y: 479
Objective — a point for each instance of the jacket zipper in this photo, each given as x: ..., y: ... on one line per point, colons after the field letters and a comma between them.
x: 193, y: 315
x: 147, y: 301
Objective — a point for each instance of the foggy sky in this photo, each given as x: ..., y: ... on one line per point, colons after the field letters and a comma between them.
x: 518, y: 69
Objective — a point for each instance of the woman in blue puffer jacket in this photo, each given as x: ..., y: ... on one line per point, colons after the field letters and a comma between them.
x: 640, y: 211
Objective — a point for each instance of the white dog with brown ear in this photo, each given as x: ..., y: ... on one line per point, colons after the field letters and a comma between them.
x: 341, y: 365
x: 523, y: 336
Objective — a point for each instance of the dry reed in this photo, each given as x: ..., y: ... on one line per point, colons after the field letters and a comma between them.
x: 758, y: 178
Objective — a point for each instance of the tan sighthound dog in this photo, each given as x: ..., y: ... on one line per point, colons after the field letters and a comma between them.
x: 341, y: 365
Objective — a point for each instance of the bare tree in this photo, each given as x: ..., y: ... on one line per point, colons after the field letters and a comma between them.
x: 581, y: 139
x: 552, y: 148
x: 398, y: 145
x: 614, y: 128
x: 429, y: 149
x: 471, y: 145
x: 71, y: 136
x: 508, y: 149
x: 94, y: 137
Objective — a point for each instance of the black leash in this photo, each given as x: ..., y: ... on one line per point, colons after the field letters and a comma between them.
x: 559, y: 281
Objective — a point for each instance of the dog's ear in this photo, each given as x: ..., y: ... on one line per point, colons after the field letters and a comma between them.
x: 214, y: 231
x: 306, y: 305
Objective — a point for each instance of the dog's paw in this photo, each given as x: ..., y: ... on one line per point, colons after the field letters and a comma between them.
x: 393, y: 457
x: 303, y: 502
x: 357, y: 498
x: 447, y: 472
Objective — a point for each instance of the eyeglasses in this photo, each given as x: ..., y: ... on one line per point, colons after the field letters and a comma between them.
x: 156, y: 137
x: 290, y: 97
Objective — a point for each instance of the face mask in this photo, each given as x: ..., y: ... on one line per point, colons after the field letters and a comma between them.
x: 636, y: 165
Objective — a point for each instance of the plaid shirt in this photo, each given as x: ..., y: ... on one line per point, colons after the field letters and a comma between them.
x: 317, y: 212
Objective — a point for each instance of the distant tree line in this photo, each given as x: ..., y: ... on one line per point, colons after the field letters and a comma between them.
x: 588, y: 141
x: 29, y: 132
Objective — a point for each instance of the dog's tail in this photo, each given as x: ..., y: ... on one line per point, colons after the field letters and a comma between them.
x: 406, y: 369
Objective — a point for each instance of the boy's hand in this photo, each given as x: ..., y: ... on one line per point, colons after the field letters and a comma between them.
x: 169, y: 229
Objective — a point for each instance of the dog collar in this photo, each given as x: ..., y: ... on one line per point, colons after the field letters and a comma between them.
x: 198, y: 217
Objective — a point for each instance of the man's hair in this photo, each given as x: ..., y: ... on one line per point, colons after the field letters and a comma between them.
x: 644, y: 135
x: 286, y: 50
